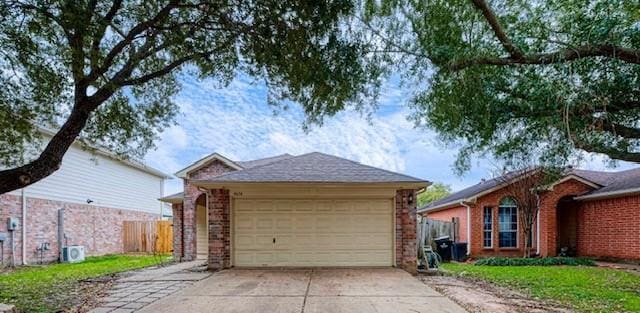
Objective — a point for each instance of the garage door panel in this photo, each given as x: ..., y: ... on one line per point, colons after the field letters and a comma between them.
x: 311, y: 232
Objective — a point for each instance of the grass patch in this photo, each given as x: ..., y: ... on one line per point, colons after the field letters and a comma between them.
x: 51, y: 288
x: 548, y: 261
x: 586, y: 289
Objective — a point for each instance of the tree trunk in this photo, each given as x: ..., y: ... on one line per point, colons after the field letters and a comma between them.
x: 50, y: 159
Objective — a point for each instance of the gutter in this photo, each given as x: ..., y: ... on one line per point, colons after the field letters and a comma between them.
x: 611, y: 194
x: 24, y: 227
x: 468, y: 226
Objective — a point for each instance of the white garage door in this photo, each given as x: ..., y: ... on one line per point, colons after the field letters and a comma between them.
x: 289, y: 232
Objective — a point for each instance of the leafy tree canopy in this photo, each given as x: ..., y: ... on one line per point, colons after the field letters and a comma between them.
x: 549, y: 79
x: 106, y: 70
x: 434, y: 192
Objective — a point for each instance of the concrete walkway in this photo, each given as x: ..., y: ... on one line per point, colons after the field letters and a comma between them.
x: 307, y: 291
x: 140, y: 288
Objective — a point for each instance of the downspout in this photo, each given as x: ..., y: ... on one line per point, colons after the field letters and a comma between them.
x: 24, y: 227
x: 468, y: 226
x: 161, y: 195
x: 538, y: 225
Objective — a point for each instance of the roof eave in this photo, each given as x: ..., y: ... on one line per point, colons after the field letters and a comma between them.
x: 203, y: 161
x: 174, y: 200
x: 228, y: 184
x: 608, y: 195
x: 104, y: 152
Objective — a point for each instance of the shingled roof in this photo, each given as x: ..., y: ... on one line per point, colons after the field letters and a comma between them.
x: 617, y: 184
x: 314, y: 167
x: 605, y: 184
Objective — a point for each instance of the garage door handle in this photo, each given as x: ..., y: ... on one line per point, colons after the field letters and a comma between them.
x: 274, y: 240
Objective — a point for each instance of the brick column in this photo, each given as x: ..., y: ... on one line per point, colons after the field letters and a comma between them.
x: 219, y: 229
x: 406, y: 248
x: 191, y: 194
x: 177, y: 231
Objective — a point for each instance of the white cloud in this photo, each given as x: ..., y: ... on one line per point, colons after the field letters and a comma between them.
x: 237, y: 122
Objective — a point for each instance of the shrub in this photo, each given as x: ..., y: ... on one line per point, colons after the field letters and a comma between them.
x: 547, y: 261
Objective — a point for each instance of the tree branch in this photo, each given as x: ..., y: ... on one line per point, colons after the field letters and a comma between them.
x: 164, y: 71
x: 51, y: 158
x: 492, y: 19
x: 570, y: 54
x: 136, y: 30
x: 610, y: 152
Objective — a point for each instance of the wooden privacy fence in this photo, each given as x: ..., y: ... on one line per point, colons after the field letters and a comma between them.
x: 149, y: 237
x: 429, y: 229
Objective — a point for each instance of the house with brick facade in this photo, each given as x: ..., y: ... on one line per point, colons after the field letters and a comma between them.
x: 307, y: 210
x: 94, y: 191
x: 584, y: 213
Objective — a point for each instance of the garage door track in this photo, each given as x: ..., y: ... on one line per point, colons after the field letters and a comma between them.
x: 307, y: 291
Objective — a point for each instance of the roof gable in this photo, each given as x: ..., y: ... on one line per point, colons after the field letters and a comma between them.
x: 183, y: 173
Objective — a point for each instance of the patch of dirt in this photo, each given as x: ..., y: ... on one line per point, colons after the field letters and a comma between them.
x: 85, y: 294
x: 479, y: 296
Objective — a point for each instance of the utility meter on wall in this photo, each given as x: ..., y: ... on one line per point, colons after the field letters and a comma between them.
x: 12, y: 223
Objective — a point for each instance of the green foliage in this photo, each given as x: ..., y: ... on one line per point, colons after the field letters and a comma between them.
x: 586, y: 289
x: 121, y: 60
x: 52, y: 288
x: 434, y: 192
x: 556, y: 83
x: 546, y: 261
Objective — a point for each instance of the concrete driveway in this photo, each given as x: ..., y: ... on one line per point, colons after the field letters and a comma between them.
x: 307, y: 291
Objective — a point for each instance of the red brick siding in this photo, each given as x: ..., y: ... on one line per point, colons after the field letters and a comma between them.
x: 477, y: 219
x: 178, y: 252
x: 548, y: 213
x: 607, y: 228
x: 406, y: 250
x: 610, y: 228
x: 191, y: 194
x: 219, y: 229
x: 548, y: 234
x: 447, y: 215
x: 98, y: 229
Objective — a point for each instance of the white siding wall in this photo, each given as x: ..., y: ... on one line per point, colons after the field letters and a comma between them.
x: 109, y: 183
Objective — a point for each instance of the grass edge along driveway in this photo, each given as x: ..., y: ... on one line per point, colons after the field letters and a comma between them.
x: 585, y: 289
x: 51, y: 288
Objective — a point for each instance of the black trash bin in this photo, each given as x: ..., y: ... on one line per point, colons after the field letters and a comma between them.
x: 443, y: 246
x: 460, y: 251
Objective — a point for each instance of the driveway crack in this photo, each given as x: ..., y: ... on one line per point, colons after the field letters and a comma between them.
x: 306, y: 293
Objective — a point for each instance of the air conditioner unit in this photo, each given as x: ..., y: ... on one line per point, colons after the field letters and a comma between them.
x: 73, y: 254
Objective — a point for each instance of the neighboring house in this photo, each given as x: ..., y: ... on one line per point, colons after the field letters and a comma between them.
x: 589, y: 213
x: 97, y: 191
x: 308, y: 210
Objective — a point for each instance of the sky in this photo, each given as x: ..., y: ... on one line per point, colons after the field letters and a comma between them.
x: 237, y: 122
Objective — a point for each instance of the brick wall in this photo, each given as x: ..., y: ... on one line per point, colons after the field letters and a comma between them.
x: 406, y: 250
x: 191, y: 195
x: 549, y: 213
x: 178, y: 252
x: 219, y: 229
x: 447, y: 215
x: 610, y: 228
x: 98, y: 229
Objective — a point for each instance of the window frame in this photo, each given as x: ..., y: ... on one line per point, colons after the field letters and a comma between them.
x: 511, y: 206
x: 487, y: 209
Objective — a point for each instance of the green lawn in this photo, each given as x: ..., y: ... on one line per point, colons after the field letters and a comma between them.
x: 586, y: 289
x: 52, y: 288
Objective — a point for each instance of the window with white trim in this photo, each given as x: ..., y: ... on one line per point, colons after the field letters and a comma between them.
x: 487, y: 228
x: 508, y: 223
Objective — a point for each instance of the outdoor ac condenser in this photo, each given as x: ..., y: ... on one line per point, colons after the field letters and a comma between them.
x: 73, y: 254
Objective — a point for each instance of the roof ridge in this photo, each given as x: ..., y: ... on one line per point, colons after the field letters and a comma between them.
x: 271, y: 157
x: 259, y: 166
x: 370, y: 166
